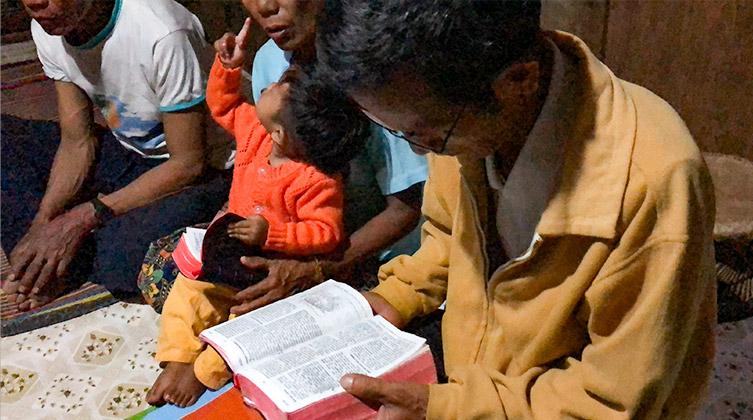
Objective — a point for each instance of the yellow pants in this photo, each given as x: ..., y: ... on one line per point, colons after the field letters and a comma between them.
x: 191, y: 307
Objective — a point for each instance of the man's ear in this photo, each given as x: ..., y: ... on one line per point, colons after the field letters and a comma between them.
x: 520, y: 80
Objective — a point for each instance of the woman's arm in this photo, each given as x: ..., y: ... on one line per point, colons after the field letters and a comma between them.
x: 287, y: 276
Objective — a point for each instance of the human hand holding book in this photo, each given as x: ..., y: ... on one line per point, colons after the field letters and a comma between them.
x: 381, y: 307
x: 288, y: 357
x: 399, y: 400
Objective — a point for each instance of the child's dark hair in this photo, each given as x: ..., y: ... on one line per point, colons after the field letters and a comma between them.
x: 327, y: 125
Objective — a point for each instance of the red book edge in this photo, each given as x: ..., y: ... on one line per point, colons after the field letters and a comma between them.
x: 218, y: 349
x: 342, y: 406
x: 188, y: 265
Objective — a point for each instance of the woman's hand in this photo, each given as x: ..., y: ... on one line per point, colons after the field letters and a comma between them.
x: 231, y: 48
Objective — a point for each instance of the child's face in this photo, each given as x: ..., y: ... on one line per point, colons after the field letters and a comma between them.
x: 271, y: 103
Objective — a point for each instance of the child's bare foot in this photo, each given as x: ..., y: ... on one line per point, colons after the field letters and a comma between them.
x: 177, y: 384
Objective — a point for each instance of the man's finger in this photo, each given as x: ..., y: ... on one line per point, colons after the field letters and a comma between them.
x: 21, y: 298
x: 11, y: 297
x: 25, y: 304
x: 10, y: 286
x: 45, y: 275
x: 380, y: 306
x: 31, y: 273
x: 255, y: 291
x: 19, y: 262
x: 63, y: 266
x: 366, y: 388
x: 255, y: 263
x: 14, y: 298
x: 244, y: 34
x: 246, y: 307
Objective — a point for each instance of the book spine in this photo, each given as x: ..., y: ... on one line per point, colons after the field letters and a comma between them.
x: 188, y: 265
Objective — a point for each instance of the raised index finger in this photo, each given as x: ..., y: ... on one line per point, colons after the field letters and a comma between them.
x: 244, y: 34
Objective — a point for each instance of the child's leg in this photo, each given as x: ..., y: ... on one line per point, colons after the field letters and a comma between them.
x: 210, y: 369
x: 191, y: 307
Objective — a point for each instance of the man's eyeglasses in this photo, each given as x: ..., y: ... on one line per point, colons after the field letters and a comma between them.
x: 406, y: 137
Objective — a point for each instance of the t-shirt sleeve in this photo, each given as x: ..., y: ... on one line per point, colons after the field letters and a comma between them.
x: 181, y: 67
x: 396, y: 166
x: 51, y: 68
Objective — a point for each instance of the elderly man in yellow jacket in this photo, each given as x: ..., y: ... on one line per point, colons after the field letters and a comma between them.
x: 568, y: 217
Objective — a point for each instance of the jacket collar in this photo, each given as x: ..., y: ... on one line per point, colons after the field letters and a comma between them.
x: 572, y: 172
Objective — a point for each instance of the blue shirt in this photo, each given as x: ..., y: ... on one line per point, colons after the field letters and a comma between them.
x: 386, y: 166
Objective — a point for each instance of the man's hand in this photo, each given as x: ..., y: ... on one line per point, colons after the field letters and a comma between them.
x: 231, y: 48
x: 44, y: 253
x: 396, y: 400
x: 252, y: 231
x: 380, y: 306
x: 286, y: 277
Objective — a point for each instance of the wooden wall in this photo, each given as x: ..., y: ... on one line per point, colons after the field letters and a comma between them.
x: 696, y: 54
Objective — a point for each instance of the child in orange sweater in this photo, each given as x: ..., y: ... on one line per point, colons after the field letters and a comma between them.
x: 290, y: 146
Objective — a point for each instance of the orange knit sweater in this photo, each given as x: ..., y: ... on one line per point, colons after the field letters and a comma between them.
x: 304, y: 206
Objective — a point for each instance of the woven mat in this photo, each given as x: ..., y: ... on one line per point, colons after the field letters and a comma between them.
x: 87, y: 298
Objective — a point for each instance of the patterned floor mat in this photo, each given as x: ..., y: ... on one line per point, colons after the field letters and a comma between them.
x: 97, y: 366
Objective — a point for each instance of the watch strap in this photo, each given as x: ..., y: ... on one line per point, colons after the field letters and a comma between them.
x: 104, y: 213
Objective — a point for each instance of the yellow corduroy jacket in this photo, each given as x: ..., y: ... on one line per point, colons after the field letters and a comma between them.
x: 610, y: 313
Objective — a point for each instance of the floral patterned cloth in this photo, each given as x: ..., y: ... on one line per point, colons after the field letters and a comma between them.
x: 158, y: 272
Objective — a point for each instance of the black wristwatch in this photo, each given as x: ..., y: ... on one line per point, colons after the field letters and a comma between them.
x: 104, y: 213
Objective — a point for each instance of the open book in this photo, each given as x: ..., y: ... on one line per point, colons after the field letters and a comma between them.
x: 288, y: 357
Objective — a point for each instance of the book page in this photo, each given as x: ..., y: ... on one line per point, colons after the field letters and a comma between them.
x: 286, y: 323
x: 312, y: 371
x: 194, y: 239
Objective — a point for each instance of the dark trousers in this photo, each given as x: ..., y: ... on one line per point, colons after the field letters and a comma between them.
x: 113, y: 254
